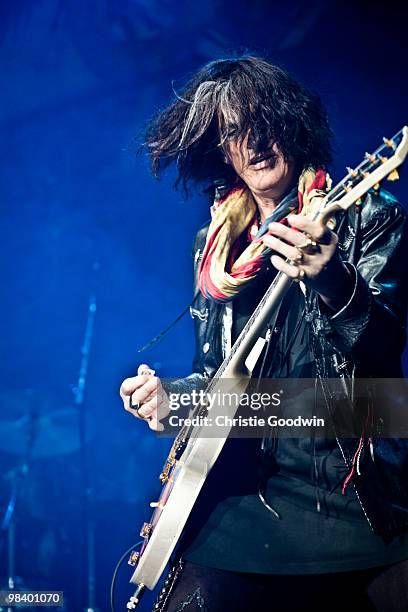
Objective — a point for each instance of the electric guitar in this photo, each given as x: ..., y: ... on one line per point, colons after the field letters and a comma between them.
x: 193, y: 455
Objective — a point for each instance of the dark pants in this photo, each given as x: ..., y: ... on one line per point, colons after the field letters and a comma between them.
x: 194, y: 588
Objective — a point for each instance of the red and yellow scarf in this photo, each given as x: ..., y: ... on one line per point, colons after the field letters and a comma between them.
x: 228, y: 261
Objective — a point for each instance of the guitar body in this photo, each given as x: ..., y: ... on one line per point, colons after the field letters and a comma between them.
x: 182, y: 489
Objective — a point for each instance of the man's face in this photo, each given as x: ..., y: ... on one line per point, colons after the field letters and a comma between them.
x: 265, y: 174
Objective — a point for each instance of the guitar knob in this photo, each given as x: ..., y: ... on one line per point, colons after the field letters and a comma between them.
x: 145, y: 530
x: 134, y: 558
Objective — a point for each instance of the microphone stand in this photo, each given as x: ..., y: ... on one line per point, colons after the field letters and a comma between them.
x: 79, y: 394
x: 8, y: 522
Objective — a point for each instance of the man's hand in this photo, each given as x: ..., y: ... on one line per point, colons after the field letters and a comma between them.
x: 324, y: 271
x: 146, y: 390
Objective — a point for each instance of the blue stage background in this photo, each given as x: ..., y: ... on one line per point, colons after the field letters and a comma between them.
x: 81, y: 216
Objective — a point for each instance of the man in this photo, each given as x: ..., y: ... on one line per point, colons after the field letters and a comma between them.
x: 285, y: 524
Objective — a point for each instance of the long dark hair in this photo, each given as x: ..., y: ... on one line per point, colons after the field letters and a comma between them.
x: 229, y: 98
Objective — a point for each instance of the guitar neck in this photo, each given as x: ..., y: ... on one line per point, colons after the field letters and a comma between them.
x: 234, y: 364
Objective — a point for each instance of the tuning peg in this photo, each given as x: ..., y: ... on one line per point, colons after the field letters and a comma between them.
x: 393, y: 176
x: 370, y: 157
x: 389, y: 142
x: 382, y: 159
x: 351, y: 171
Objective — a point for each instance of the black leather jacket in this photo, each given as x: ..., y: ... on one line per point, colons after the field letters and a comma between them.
x: 365, y: 338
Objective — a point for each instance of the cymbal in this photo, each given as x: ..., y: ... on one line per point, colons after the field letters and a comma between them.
x: 42, y: 434
x: 16, y: 402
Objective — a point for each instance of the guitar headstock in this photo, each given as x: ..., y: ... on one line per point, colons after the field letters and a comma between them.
x: 375, y: 167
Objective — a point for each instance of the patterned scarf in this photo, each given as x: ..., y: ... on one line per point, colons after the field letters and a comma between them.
x: 228, y: 261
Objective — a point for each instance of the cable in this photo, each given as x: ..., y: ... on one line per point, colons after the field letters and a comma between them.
x: 115, y: 573
x: 170, y: 326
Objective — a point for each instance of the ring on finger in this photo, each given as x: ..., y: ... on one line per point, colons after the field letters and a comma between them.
x: 301, y: 273
x: 299, y: 258
x: 137, y: 406
x: 300, y: 276
x: 309, y: 247
x: 145, y: 371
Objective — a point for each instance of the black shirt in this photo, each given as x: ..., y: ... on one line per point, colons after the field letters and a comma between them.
x: 280, y: 509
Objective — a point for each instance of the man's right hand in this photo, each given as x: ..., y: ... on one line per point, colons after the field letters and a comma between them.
x: 146, y: 390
